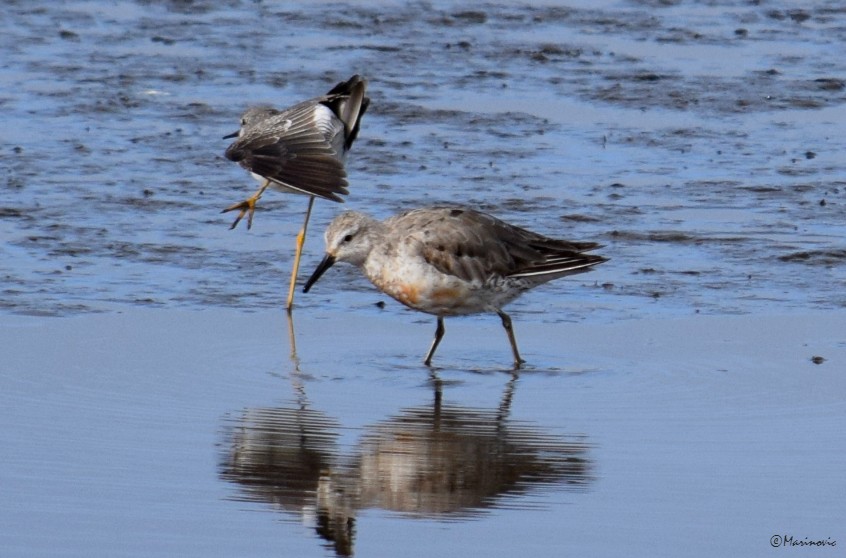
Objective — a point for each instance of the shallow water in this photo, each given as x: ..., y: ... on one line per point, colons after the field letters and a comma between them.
x: 701, y: 144
x: 154, y: 432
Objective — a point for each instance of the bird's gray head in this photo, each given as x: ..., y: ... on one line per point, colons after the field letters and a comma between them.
x: 252, y: 117
x: 349, y: 238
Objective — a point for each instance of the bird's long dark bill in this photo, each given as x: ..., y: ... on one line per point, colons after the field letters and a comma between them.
x: 232, y: 135
x: 327, y: 262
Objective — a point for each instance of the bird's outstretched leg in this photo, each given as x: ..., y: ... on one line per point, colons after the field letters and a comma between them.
x: 247, y: 207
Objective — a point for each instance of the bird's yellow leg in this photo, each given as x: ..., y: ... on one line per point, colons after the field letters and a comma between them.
x: 298, y: 254
x: 247, y: 207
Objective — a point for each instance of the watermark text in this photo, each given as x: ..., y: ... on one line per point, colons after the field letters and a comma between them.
x: 786, y: 541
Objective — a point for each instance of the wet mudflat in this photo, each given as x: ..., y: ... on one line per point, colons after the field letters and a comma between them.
x: 154, y: 405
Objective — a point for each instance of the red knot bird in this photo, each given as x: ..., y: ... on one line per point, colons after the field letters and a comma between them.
x: 300, y: 149
x: 451, y: 261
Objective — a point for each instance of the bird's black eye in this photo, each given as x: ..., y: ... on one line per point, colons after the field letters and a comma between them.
x: 348, y: 238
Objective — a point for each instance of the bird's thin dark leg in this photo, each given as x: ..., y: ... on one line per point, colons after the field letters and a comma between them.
x: 247, y: 206
x: 298, y: 254
x: 506, y: 323
x: 439, y: 333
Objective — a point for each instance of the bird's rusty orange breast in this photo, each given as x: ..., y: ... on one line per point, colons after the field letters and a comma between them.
x: 406, y: 293
x: 437, y: 300
x: 418, y: 285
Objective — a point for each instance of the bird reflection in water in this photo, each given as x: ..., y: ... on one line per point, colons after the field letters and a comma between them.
x: 435, y: 461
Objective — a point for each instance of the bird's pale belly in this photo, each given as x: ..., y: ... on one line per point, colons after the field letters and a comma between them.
x: 278, y: 186
x: 427, y: 290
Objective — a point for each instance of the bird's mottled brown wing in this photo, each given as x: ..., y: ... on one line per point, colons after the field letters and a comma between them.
x: 301, y: 147
x: 475, y: 246
x: 459, y: 242
x: 288, y: 149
